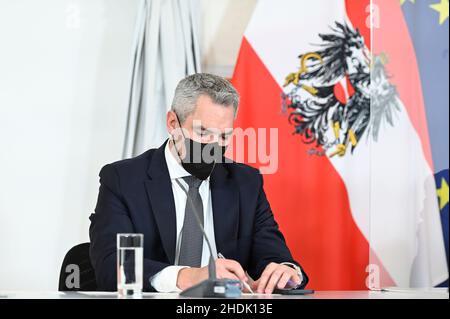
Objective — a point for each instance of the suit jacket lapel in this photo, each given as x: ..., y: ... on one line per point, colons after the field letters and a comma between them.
x: 159, y: 191
x: 225, y: 202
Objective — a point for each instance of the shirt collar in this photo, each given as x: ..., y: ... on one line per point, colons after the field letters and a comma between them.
x: 175, y: 168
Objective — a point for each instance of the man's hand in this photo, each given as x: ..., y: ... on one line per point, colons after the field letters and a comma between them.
x: 276, y: 276
x: 225, y: 268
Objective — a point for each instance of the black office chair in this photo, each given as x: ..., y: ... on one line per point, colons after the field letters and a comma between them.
x: 77, y: 262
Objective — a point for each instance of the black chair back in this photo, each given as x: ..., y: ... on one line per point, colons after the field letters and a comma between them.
x: 77, y: 273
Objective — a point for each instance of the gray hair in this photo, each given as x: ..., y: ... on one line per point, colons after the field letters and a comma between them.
x: 191, y: 87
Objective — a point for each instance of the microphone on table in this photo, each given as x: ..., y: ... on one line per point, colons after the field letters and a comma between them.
x: 211, y: 287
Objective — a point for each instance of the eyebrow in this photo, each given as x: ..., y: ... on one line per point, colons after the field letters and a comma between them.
x: 211, y: 131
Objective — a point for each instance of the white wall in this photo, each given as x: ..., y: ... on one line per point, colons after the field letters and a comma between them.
x: 64, y: 69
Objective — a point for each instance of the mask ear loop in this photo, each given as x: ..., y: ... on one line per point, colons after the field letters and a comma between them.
x: 173, y: 138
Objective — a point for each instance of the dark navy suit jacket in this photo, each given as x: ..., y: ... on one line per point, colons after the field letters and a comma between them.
x: 136, y: 196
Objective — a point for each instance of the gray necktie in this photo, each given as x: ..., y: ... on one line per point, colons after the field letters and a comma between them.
x: 192, y: 238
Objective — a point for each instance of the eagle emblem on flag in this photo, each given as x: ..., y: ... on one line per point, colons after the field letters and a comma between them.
x: 340, y: 93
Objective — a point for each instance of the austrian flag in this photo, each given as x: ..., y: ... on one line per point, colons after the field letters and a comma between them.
x: 354, y: 191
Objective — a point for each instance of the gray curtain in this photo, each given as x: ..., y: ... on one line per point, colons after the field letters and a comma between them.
x: 165, y: 50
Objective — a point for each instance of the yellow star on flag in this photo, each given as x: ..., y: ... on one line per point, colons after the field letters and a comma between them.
x: 403, y: 1
x: 442, y: 8
x: 442, y: 193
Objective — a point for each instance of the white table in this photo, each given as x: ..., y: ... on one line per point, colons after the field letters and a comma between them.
x: 436, y: 293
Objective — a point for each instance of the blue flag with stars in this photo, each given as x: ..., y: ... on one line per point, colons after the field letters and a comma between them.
x: 427, y: 22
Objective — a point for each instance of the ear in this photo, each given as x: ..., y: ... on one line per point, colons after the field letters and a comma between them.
x: 171, y: 122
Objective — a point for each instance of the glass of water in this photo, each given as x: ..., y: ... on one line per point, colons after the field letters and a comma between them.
x: 130, y: 262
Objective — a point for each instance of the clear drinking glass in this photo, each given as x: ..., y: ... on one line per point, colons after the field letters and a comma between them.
x: 130, y: 262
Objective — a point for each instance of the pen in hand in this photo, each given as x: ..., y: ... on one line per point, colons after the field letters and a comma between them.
x: 246, y: 285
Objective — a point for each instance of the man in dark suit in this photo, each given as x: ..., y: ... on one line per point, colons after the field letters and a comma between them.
x: 148, y: 194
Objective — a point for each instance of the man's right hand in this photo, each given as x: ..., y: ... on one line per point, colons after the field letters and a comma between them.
x: 225, y: 268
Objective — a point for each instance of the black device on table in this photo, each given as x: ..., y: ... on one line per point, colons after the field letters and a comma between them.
x: 293, y: 292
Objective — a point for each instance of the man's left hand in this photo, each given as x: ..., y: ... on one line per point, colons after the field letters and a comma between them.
x: 276, y: 276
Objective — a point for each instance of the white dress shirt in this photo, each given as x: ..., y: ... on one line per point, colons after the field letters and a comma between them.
x: 166, y: 279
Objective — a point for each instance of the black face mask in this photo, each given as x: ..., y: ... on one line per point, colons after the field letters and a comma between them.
x: 200, y: 158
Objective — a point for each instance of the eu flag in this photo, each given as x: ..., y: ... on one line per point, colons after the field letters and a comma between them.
x: 427, y: 22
